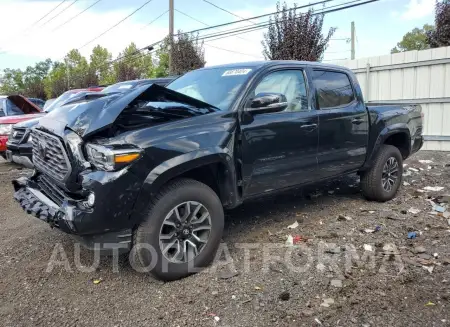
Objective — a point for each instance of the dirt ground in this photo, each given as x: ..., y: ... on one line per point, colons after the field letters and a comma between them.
x: 320, y: 281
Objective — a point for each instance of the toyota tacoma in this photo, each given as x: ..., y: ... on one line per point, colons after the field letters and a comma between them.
x: 153, y: 169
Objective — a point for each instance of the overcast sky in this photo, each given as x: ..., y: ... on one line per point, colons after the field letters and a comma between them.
x: 379, y: 26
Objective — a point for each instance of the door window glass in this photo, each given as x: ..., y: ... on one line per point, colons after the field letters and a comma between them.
x: 290, y: 83
x: 333, y: 89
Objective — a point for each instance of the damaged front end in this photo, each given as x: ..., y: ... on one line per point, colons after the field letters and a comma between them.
x: 89, y: 170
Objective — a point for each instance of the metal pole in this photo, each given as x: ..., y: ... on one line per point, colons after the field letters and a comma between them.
x: 353, y: 40
x: 366, y: 96
x: 171, y: 10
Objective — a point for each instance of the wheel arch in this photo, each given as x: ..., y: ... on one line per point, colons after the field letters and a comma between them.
x: 213, y: 167
x: 397, y: 135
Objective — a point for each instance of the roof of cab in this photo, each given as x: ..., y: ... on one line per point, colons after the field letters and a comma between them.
x: 268, y: 63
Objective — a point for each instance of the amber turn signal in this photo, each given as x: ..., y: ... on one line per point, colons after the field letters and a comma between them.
x: 126, y: 158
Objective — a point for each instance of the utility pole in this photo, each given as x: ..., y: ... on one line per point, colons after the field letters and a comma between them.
x: 353, y: 40
x: 171, y: 10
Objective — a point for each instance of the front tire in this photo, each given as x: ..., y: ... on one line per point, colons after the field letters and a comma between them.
x: 182, y: 228
x: 382, y: 180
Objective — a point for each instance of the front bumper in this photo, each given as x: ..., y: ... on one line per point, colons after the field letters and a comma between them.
x: 108, y: 219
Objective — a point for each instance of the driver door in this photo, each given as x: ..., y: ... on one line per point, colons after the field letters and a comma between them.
x: 279, y: 149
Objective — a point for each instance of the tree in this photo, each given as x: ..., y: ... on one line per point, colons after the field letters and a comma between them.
x: 100, y: 65
x: 162, y: 60
x: 11, y: 81
x: 33, y: 79
x: 80, y: 74
x: 187, y: 53
x: 415, y: 40
x: 133, y: 65
x: 440, y: 36
x: 295, y: 36
x: 56, y: 82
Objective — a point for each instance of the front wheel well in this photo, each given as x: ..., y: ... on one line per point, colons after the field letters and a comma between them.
x: 208, y: 175
x: 401, y: 142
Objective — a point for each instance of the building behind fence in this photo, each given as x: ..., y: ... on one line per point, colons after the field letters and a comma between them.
x: 414, y: 76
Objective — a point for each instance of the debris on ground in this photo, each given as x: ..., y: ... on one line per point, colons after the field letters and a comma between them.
x: 284, y: 296
x: 414, y: 211
x: 327, y: 302
x: 344, y: 218
x: 412, y: 235
x: 419, y: 249
x: 426, y: 161
x: 227, y: 274
x: 439, y: 208
x: 433, y: 188
x: 97, y: 281
x: 293, y: 226
x: 336, y: 283
x: 290, y: 241
x: 298, y: 238
x: 368, y: 247
x: 413, y: 169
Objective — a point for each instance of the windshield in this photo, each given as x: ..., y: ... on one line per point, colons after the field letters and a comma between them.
x: 8, y: 108
x: 216, y: 86
x: 60, y: 100
x: 119, y: 87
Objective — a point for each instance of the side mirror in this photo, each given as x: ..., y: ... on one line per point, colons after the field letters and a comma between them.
x: 266, y: 102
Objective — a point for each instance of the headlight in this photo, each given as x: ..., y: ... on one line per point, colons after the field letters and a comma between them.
x: 75, y: 142
x: 109, y: 158
x: 5, y: 129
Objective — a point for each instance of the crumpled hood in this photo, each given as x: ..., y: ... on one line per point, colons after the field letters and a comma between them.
x: 94, y: 112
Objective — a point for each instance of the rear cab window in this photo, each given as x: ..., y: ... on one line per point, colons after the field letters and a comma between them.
x: 333, y: 89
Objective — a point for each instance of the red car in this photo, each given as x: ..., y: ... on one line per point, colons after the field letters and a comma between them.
x: 14, y: 109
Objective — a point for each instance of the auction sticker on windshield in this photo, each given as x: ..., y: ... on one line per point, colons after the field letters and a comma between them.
x: 126, y: 86
x: 235, y: 72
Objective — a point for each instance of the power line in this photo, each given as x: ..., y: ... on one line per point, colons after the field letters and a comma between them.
x: 193, y: 18
x: 232, y: 51
x: 118, y: 23
x: 70, y: 19
x: 328, y: 10
x: 260, y: 16
x: 46, y: 14
x: 231, y: 13
x: 235, y: 32
x: 154, y: 20
x: 73, y: 2
x: 36, y: 22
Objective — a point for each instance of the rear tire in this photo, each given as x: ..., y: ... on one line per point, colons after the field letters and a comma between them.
x: 176, y: 211
x: 382, y: 181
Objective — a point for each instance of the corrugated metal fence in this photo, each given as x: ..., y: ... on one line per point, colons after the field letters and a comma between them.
x: 414, y: 76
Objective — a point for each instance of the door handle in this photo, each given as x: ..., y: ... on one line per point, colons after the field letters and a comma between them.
x: 357, y: 121
x: 308, y: 126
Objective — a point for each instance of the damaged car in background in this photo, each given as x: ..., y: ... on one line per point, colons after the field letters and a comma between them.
x: 157, y: 166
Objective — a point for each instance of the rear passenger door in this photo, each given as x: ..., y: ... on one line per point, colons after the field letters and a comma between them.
x: 343, y: 123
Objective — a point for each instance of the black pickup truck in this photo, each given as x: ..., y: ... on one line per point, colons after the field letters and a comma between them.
x: 155, y: 167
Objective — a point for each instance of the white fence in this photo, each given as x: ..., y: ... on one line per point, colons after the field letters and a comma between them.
x: 415, y: 76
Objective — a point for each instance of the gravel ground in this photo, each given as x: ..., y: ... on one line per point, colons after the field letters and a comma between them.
x: 320, y: 281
